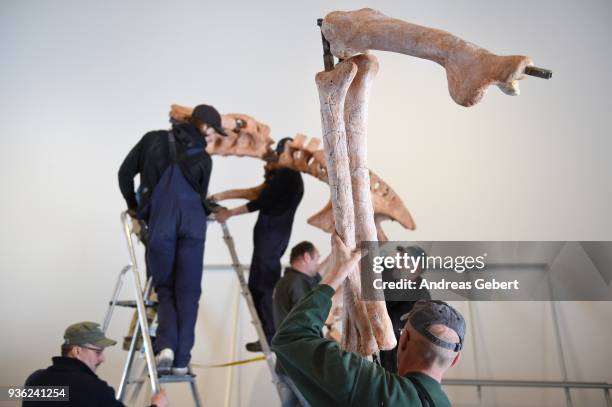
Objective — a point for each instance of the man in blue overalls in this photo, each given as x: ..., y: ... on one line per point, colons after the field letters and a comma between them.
x: 174, y: 170
x: 277, y: 203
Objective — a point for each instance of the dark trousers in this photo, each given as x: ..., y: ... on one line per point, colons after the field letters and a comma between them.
x: 270, y: 238
x: 395, y: 309
x: 177, y: 230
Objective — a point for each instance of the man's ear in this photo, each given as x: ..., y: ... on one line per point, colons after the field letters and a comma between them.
x: 75, y: 352
x: 456, y: 359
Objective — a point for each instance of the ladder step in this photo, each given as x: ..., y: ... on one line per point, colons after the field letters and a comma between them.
x: 176, y: 379
x: 167, y: 379
x: 132, y: 303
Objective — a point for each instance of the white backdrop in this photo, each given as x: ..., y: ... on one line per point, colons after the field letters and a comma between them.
x: 82, y: 81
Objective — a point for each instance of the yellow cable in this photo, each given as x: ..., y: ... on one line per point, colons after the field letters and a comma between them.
x: 238, y: 362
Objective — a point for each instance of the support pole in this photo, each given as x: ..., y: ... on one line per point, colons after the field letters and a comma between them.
x: 328, y: 58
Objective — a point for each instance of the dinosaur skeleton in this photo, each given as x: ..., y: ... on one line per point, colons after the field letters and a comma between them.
x: 360, y: 199
x: 250, y: 138
x: 343, y: 95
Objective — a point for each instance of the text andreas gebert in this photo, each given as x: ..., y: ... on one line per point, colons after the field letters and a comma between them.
x: 403, y: 262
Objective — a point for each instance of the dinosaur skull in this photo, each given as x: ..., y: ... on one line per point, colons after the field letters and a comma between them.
x: 245, y: 135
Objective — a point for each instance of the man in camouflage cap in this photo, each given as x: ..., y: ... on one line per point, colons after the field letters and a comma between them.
x: 81, y: 353
x: 85, y: 341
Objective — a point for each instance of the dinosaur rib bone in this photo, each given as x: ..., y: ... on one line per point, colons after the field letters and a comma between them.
x: 245, y: 193
x: 470, y: 70
x: 304, y: 157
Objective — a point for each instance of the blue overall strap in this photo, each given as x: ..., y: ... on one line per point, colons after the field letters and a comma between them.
x: 172, y: 145
x: 425, y: 398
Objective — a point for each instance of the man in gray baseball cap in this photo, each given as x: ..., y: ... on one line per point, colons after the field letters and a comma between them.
x: 425, y: 315
x: 82, y: 353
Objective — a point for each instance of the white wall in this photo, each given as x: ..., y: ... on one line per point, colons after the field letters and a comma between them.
x: 82, y: 81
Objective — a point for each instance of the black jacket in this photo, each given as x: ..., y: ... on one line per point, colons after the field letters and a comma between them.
x: 282, y: 192
x: 290, y: 289
x: 151, y: 156
x: 86, y: 388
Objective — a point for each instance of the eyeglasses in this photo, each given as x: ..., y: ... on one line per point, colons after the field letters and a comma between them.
x: 97, y: 350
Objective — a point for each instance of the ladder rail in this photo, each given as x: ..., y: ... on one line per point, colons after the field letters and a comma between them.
x: 125, y: 375
x: 229, y: 241
x: 127, y: 370
x: 195, y: 393
x: 230, y: 370
x: 140, y: 306
x: 114, y: 297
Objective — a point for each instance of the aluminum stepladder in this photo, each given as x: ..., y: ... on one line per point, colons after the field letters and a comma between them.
x: 141, y: 331
x: 246, y: 293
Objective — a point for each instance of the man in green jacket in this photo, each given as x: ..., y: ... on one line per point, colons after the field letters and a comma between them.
x: 326, y: 375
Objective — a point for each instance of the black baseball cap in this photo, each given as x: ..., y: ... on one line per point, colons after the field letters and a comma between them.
x: 434, y: 312
x: 280, y: 146
x: 209, y: 115
x: 273, y: 155
x: 412, y: 251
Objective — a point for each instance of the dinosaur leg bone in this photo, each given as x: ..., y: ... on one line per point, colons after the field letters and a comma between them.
x: 470, y: 70
x: 333, y: 86
x: 356, y: 121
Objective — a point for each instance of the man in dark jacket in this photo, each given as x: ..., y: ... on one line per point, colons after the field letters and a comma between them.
x: 277, y: 204
x: 298, y: 279
x: 174, y: 170
x: 82, y: 353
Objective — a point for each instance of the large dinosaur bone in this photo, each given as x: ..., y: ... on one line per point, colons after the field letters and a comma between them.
x: 470, y: 70
x: 333, y: 87
x: 245, y: 135
x: 367, y: 326
x: 356, y: 121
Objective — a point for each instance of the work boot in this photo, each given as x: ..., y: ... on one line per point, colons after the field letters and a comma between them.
x: 164, y: 360
x: 253, y: 346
